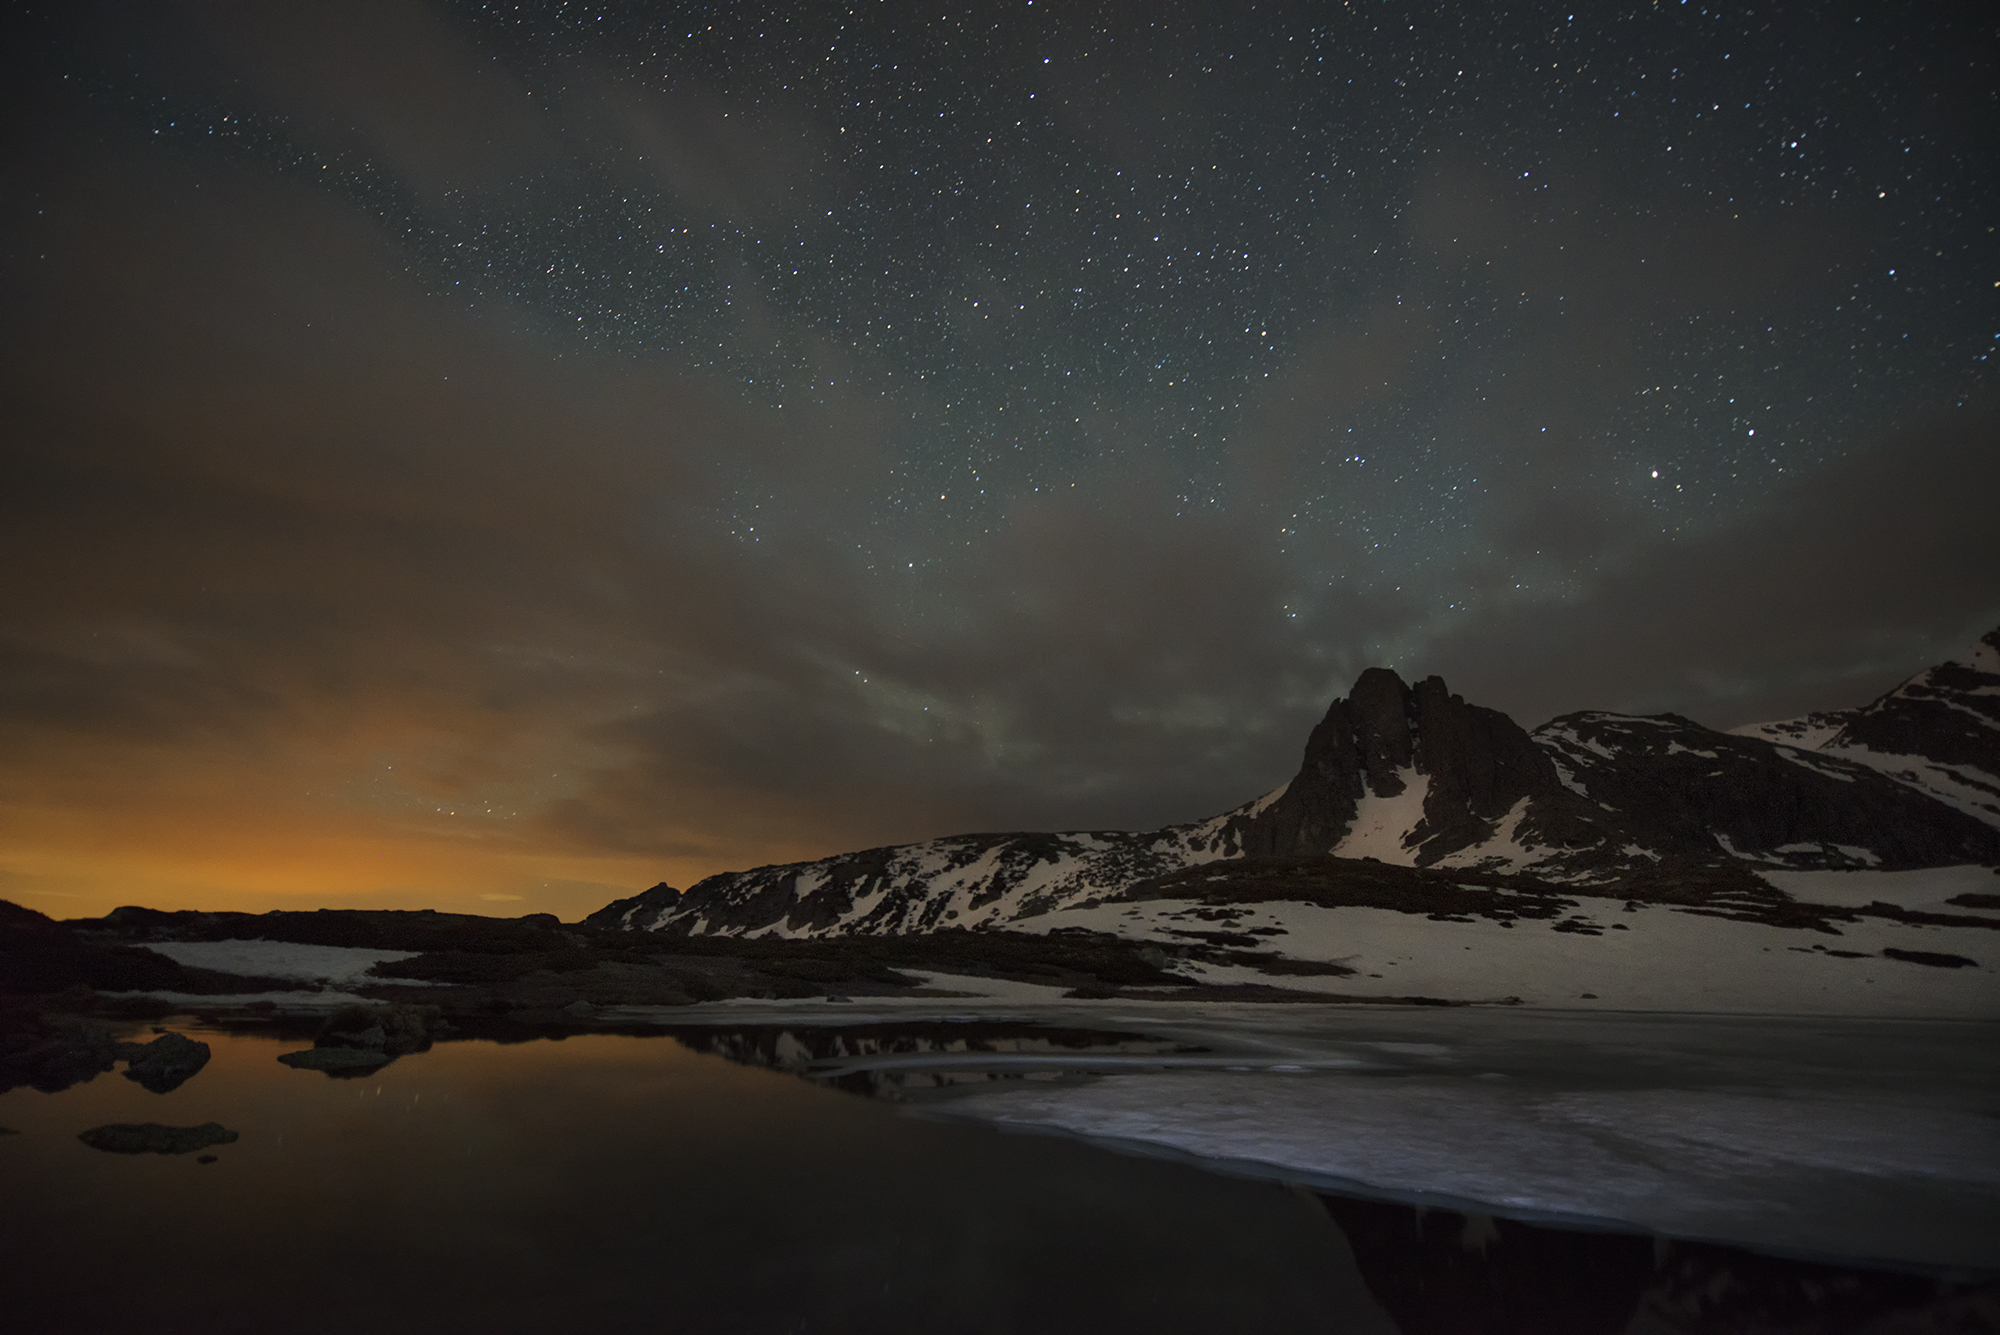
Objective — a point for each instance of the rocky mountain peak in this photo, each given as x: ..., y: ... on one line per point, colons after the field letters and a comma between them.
x: 1381, y: 728
x: 1937, y: 732
x: 1473, y: 766
x: 1416, y: 776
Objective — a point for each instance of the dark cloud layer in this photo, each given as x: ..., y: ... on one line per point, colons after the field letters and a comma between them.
x: 316, y: 538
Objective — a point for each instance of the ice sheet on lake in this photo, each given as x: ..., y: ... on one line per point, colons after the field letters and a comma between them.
x: 1819, y: 1176
x: 1740, y: 1131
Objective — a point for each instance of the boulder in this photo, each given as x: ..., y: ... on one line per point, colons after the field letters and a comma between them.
x: 166, y: 1063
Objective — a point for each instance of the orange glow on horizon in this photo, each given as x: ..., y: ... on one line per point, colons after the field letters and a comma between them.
x: 193, y: 851
x: 223, y: 867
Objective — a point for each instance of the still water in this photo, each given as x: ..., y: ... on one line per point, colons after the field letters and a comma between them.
x: 615, y: 1183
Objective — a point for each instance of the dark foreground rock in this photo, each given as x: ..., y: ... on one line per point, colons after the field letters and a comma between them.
x: 1441, y: 1271
x: 153, y: 1138
x: 166, y: 1063
x: 52, y: 1053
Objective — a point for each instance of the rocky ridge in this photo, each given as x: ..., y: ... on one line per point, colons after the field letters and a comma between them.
x: 1938, y: 733
x: 1592, y: 803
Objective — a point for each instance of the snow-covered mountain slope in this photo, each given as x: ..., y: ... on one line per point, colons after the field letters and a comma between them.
x: 1937, y: 733
x: 1588, y: 804
x: 971, y: 880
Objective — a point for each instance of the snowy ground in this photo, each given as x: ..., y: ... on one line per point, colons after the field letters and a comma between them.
x: 279, y: 959
x: 1928, y: 890
x: 1644, y: 957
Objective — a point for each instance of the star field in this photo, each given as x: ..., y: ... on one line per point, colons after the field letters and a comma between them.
x: 992, y: 356
x: 1035, y: 243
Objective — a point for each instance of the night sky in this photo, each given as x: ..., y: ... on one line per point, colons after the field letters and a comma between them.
x: 496, y: 457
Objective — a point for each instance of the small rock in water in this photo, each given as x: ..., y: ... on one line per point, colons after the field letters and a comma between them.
x: 206, y: 1158
x: 152, y: 1138
x: 337, y: 1061
x: 166, y: 1063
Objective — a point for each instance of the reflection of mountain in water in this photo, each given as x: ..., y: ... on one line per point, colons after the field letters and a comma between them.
x: 900, y: 1061
x: 1437, y: 1272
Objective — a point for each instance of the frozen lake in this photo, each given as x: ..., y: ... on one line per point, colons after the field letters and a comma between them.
x: 1575, y: 1172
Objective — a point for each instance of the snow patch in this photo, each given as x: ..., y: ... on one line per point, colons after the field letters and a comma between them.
x: 1809, y: 733
x: 1925, y: 889
x: 280, y: 959
x: 1961, y: 787
x: 1382, y: 825
x: 1501, y: 850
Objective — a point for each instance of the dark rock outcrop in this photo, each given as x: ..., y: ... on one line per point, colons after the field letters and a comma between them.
x: 1680, y: 790
x: 52, y: 1053
x: 1440, y: 1272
